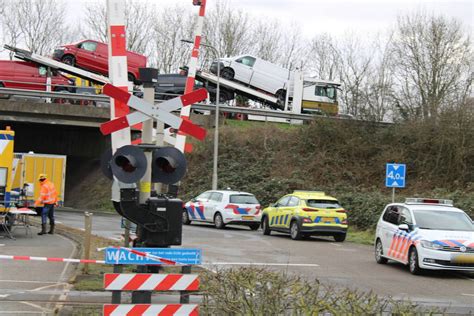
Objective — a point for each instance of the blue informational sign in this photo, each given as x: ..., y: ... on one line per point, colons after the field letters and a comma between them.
x: 395, y: 175
x: 184, y: 256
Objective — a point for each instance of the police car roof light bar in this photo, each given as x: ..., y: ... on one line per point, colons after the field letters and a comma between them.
x: 429, y: 201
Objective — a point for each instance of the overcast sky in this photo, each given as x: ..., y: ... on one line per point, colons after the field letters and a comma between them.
x: 331, y: 16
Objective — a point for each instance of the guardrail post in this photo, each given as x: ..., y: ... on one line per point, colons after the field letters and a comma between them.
x: 87, y: 239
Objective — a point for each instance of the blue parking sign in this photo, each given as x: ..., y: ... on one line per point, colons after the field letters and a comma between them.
x: 395, y: 175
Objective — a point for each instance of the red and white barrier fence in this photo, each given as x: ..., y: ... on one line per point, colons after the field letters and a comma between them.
x: 29, y: 258
x: 151, y: 282
x: 151, y: 309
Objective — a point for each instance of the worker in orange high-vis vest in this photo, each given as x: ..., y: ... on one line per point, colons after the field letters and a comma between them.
x: 48, y: 197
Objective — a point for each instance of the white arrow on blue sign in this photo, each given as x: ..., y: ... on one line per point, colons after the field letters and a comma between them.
x: 395, y: 175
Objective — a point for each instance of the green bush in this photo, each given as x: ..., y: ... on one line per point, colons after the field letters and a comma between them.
x: 255, y: 291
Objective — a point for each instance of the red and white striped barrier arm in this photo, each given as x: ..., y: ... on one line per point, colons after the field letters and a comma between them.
x: 29, y: 258
x: 118, y: 71
x: 151, y: 282
x: 186, y: 110
x: 151, y: 309
x: 160, y: 112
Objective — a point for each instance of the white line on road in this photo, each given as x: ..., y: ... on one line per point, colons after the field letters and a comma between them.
x: 467, y: 294
x: 261, y: 264
x: 334, y: 244
x: 1, y: 245
x: 23, y: 281
x: 43, y: 310
x: 4, y: 295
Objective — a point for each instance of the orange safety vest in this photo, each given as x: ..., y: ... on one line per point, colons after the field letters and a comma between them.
x: 48, y: 194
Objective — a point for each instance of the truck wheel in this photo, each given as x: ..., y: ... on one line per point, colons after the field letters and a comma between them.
x: 281, y: 95
x: 218, y: 221
x: 265, y: 227
x: 227, y: 73
x: 69, y: 59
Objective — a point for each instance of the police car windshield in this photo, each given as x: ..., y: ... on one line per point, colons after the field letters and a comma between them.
x: 323, y: 203
x: 442, y: 220
x: 243, y: 199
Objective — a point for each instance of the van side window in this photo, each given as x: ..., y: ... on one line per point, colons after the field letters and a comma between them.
x: 294, y: 201
x: 246, y: 60
x: 90, y: 46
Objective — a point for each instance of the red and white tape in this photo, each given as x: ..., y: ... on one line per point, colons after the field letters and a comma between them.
x: 151, y: 309
x: 151, y: 282
x: 29, y: 258
x: 150, y: 256
x: 161, y: 112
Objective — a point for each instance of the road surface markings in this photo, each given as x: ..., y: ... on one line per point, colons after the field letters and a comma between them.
x: 1, y: 245
x: 334, y: 244
x: 23, y: 281
x: 43, y: 310
x: 4, y: 295
x: 467, y: 294
x: 261, y: 264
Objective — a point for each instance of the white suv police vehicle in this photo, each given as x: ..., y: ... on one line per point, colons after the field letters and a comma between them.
x: 425, y: 234
x: 222, y: 208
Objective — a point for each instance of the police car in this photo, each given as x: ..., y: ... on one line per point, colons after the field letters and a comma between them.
x: 223, y: 208
x: 425, y: 234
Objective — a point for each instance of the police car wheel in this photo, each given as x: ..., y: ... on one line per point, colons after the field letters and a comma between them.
x: 218, y: 221
x: 186, y: 219
x: 379, y: 253
x: 265, y: 227
x: 339, y: 237
x: 295, y: 231
x: 413, y: 262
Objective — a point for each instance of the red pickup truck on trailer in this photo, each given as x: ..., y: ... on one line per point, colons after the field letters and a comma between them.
x: 94, y: 56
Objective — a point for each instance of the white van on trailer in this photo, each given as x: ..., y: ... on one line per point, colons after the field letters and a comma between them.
x: 255, y: 72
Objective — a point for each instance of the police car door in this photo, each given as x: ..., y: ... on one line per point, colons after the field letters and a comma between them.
x: 389, y: 229
x: 200, y: 205
x: 213, y: 205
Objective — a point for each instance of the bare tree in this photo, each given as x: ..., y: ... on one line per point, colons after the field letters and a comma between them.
x: 227, y: 29
x: 39, y: 25
x: 322, y: 57
x: 138, y: 21
x: 378, y: 90
x: 267, y: 38
x: 169, y: 28
x: 354, y: 66
x: 434, y: 64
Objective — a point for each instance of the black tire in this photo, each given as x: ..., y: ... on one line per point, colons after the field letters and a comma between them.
x: 281, y: 96
x: 295, y: 231
x: 339, y: 237
x: 254, y: 226
x: 227, y: 73
x: 218, y: 221
x: 413, y: 262
x: 4, y: 96
x: 69, y: 60
x: 379, y: 258
x: 131, y: 77
x: 186, y: 220
x: 265, y: 227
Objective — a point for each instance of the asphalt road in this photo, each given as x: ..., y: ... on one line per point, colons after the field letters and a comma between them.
x: 20, y: 281
x: 341, y: 264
